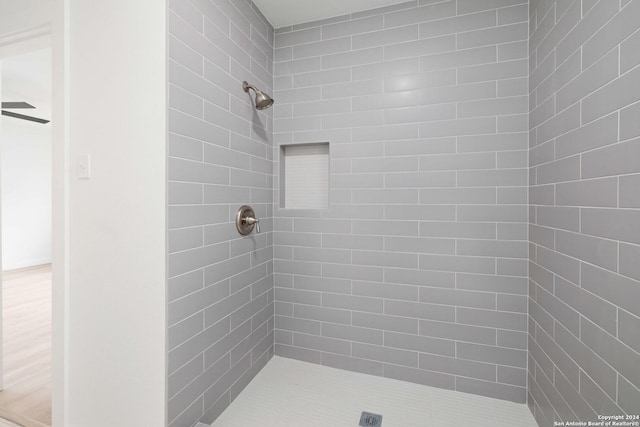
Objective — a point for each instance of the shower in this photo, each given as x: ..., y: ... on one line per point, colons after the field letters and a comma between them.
x: 446, y: 198
x: 263, y: 101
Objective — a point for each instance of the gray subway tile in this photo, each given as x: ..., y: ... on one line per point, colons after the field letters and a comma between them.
x: 560, y: 264
x: 451, y: 365
x: 353, y: 272
x: 512, y: 339
x: 352, y: 364
x: 386, y: 36
x: 452, y: 25
x: 491, y: 318
x: 611, y: 97
x: 420, y: 376
x: 463, y: 92
x: 469, y: 57
x: 298, y: 296
x: 490, y: 354
x: 497, y: 177
x: 545, y: 392
x: 419, y: 310
x: 590, y: 306
x: 322, y: 284
x: 512, y: 303
x: 629, y: 330
x: 419, y: 245
x: 456, y: 297
x: 495, y: 142
x: 347, y: 241
x: 628, y: 262
x: 492, y: 283
x: 322, y: 313
x: 297, y: 37
x: 629, y: 56
x: 492, y: 248
x: 576, y: 402
x: 457, y: 127
x: 352, y: 333
x: 611, y: 34
x: 493, y: 36
x: 614, y: 159
x: 617, y: 224
x: 385, y: 354
x: 493, y: 71
x: 353, y: 58
x: 622, y: 358
x: 466, y: 264
x: 385, y: 290
x: 628, y: 395
x: 419, y: 277
x: 468, y: 6
x: 629, y: 196
x: 322, y: 47
x: 420, y: 14
x: 385, y: 259
x: 458, y: 332
x: 592, y: 192
x: 304, y: 326
x: 306, y: 355
x: 339, y: 256
x: 324, y: 344
x: 385, y: 322
x: 597, y: 75
x: 513, y: 376
x: 179, y: 286
x: 588, y: 360
x: 351, y: 302
x: 192, y: 259
x: 603, y: 253
x: 560, y: 311
x: 419, y: 343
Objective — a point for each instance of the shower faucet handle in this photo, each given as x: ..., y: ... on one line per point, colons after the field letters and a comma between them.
x: 246, y: 220
x: 251, y: 221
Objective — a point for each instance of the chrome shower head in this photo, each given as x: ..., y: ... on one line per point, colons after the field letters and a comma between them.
x: 263, y: 101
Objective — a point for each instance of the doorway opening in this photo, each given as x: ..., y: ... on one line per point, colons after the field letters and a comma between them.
x: 26, y: 201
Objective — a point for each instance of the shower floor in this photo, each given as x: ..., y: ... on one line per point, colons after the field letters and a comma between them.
x: 290, y: 393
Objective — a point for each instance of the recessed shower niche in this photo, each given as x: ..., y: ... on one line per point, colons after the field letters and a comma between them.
x: 304, y: 172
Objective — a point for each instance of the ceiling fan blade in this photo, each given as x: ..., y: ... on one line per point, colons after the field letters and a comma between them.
x: 23, y: 117
x: 17, y: 105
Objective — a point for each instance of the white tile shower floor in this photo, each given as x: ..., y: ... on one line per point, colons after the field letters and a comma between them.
x: 290, y: 393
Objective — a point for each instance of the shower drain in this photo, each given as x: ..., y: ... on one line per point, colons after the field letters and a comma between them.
x: 370, y: 420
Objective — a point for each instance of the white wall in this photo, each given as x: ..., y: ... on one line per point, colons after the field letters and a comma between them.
x: 26, y: 193
x: 26, y: 162
x: 24, y: 14
x: 111, y: 230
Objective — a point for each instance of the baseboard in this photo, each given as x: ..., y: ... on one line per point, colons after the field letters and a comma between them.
x: 26, y: 264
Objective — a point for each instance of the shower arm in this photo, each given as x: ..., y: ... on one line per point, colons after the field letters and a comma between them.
x: 246, y: 86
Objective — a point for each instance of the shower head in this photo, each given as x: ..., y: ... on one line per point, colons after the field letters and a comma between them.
x: 263, y: 101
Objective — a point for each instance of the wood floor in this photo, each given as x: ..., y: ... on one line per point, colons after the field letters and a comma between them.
x: 26, y: 398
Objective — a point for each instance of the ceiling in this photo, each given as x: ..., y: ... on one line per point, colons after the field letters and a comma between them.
x: 282, y: 13
x: 27, y: 78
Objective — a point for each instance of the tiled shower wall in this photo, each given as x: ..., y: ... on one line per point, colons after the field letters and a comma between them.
x: 584, y: 340
x: 220, y: 284
x: 418, y: 269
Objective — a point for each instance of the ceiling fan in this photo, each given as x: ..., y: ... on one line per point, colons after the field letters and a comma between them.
x: 20, y: 105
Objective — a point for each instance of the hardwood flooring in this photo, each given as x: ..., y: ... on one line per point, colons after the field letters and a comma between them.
x: 26, y: 398
x: 6, y: 423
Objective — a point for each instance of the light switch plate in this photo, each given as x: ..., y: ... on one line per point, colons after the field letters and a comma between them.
x: 84, y: 166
